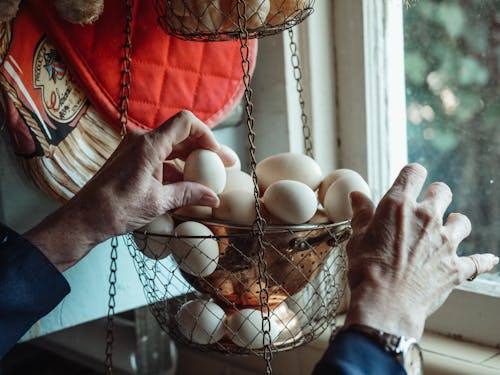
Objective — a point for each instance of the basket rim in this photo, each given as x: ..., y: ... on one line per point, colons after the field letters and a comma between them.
x: 268, y: 228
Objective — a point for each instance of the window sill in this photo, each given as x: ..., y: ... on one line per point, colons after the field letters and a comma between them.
x: 446, y: 356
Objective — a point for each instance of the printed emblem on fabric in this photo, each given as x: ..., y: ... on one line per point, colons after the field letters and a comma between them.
x: 62, y: 99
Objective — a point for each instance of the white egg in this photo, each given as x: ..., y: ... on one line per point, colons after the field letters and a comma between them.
x: 206, y: 168
x: 237, y: 165
x: 331, y: 178
x: 290, y: 201
x: 196, y: 256
x: 203, y: 212
x: 237, y: 206
x: 245, y: 329
x: 287, y: 322
x: 163, y: 224
x: 201, y: 322
x: 337, y: 203
x: 288, y: 166
x: 238, y: 180
x: 155, y: 247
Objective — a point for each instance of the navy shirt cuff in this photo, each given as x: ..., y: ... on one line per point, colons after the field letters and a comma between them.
x: 352, y: 353
x: 30, y: 286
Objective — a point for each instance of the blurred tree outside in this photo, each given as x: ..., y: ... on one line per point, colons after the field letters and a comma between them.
x: 452, y: 57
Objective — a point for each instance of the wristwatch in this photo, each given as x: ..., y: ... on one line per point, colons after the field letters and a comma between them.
x: 405, y: 349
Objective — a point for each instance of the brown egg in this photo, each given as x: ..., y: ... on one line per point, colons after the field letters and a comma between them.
x: 283, y: 10
x: 192, y: 16
x: 256, y: 14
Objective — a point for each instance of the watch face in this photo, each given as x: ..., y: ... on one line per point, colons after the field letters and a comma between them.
x: 413, y: 362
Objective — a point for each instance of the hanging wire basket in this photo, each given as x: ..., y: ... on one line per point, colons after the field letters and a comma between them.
x: 213, y: 302
x: 256, y: 288
x: 213, y: 20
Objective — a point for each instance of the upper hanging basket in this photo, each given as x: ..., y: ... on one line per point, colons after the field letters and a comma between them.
x: 212, y: 20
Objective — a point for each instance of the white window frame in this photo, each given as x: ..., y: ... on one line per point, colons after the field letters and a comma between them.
x: 358, y: 45
x: 472, y: 310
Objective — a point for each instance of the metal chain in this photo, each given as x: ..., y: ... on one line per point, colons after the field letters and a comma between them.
x: 126, y: 74
x: 297, y: 74
x: 259, y: 222
x: 124, y: 104
x: 111, y: 307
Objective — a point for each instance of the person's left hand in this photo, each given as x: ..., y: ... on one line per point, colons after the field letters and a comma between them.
x: 402, y: 255
x: 134, y: 186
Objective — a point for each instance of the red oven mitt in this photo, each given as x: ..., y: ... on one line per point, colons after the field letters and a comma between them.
x: 61, y: 86
x: 168, y: 74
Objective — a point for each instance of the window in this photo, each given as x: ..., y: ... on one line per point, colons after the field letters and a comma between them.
x: 452, y: 58
x: 373, y: 106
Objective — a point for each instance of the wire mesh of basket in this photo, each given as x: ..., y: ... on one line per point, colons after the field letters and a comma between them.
x: 212, y: 299
x: 254, y: 288
x: 212, y: 20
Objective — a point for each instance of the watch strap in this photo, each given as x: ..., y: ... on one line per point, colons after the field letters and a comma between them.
x: 389, y: 342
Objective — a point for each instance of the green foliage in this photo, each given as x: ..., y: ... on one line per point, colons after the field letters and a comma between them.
x: 449, y: 50
x: 453, y: 67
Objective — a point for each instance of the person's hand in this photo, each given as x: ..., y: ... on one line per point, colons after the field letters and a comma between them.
x: 133, y: 187
x: 402, y: 258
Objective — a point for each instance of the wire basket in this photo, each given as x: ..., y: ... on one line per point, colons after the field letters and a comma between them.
x: 217, y: 306
x: 212, y: 20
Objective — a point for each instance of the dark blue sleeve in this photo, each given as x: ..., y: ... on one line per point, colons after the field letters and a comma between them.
x: 30, y: 286
x: 352, y: 353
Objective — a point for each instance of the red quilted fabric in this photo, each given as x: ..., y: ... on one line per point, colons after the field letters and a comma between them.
x: 167, y: 74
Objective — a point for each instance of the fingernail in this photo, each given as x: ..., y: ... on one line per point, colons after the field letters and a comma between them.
x: 210, y: 200
x: 496, y: 260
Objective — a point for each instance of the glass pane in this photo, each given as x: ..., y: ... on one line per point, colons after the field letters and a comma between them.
x: 452, y: 57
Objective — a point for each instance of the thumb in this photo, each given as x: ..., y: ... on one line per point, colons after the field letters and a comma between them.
x: 362, y: 210
x: 186, y: 193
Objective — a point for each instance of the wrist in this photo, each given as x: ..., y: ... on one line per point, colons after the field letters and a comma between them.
x: 64, y: 237
x: 385, y: 312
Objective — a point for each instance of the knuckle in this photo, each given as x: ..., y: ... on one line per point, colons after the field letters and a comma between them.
x: 426, y: 214
x: 155, y: 204
x: 146, y: 144
x: 181, y: 197
x: 458, y: 273
x: 440, y: 188
x: 396, y: 200
x: 185, y: 115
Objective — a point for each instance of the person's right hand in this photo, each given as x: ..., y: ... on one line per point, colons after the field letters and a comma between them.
x: 402, y: 258
x: 133, y: 187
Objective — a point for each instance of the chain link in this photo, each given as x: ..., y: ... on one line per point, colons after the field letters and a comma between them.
x: 297, y: 74
x: 259, y: 222
x: 124, y: 104
x: 111, y: 307
x: 126, y: 74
